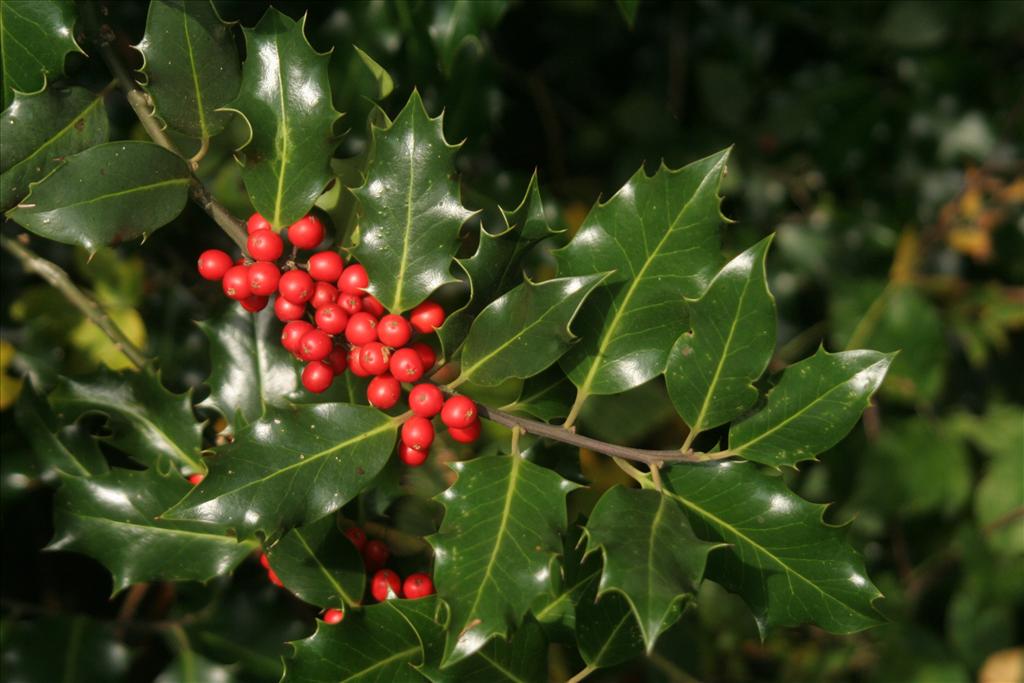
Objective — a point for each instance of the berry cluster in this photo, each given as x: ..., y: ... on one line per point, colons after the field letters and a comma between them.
x: 385, y: 583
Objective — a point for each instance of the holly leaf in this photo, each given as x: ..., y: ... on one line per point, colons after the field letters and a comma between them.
x: 291, y: 467
x: 147, y: 422
x: 492, y: 554
x: 525, y: 331
x: 651, y: 555
x: 68, y: 648
x: 107, y: 194
x: 35, y: 37
x: 42, y: 129
x: 115, y: 519
x: 522, y: 659
x: 457, y: 24
x: 574, y: 576
x: 318, y: 564
x: 191, y: 66
x: 712, y: 367
x: 68, y: 449
x: 815, y: 404
x: 607, y: 632
x: 547, y: 396
x: 787, y: 564
x: 411, y: 212
x: 285, y: 97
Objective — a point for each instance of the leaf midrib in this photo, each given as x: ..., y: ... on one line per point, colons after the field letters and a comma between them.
x: 80, y: 116
x: 403, y: 262
x: 234, y: 542
x: 109, y: 195
x: 204, y: 131
x: 384, y: 662
x: 323, y: 570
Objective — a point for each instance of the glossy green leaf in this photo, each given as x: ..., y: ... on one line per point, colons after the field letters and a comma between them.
x: 815, y: 404
x: 383, y: 79
x: 191, y: 65
x: 146, y: 421
x: 628, y: 417
x: 606, y: 629
x: 107, y: 194
x: 660, y: 235
x: 458, y: 23
x: 525, y: 331
x: 787, y: 564
x: 40, y: 130
x: 35, y: 37
x: 546, y: 396
x: 410, y: 209
x: 651, y: 555
x: 573, y: 576
x: 115, y: 518
x: 68, y: 649
x: 712, y: 367
x: 318, y: 564
x: 523, y: 659
x: 188, y: 667
x: 291, y: 467
x: 68, y: 449
x: 492, y: 554
x: 286, y: 98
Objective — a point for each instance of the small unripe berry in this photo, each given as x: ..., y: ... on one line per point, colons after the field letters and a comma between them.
x: 196, y: 479
x: 426, y: 400
x: 257, y: 222
x: 354, y: 280
x: 426, y: 354
x: 383, y: 392
x: 357, y: 536
x: 286, y: 310
x: 411, y: 456
x: 264, y: 277
x: 350, y: 303
x: 272, y: 575
x: 406, y: 365
x: 337, y: 359
x: 394, y: 331
x: 386, y: 584
x: 417, y: 586
x: 236, y: 283
x: 292, y: 334
x: 326, y: 266
x: 317, y: 377
x: 315, y: 345
x: 426, y: 317
x: 323, y: 294
x: 371, y: 305
x: 265, y: 245
x: 375, y: 555
x: 296, y: 286
x: 334, y: 616
x: 418, y: 433
x: 361, y: 329
x: 213, y: 263
x: 374, y: 358
x: 264, y: 561
x: 306, y: 233
x: 458, y: 412
x: 467, y: 435
x: 254, y: 303
x: 353, y: 362
x: 331, y: 319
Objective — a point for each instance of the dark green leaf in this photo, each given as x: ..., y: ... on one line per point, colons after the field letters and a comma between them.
x: 35, y: 36
x: 40, y: 130
x: 188, y: 667
x: 815, y: 404
x: 146, y: 421
x: 191, y: 65
x: 546, y: 396
x: 114, y: 519
x: 660, y: 235
x: 69, y: 449
x: 493, y: 551
x: 628, y: 8
x: 525, y: 331
x: 109, y: 193
x: 524, y: 659
x: 458, y: 23
x: 66, y: 649
x: 711, y: 368
x: 286, y: 98
x: 410, y: 209
x: 318, y: 564
x: 572, y: 576
x: 788, y: 564
x: 291, y: 467
x: 630, y: 416
x: 651, y: 555
x: 383, y: 79
x: 606, y: 633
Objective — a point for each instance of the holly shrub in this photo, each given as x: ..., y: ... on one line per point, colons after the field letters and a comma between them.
x: 371, y: 341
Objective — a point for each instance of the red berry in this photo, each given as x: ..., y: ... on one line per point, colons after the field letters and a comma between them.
x: 236, y: 283
x: 317, y: 377
x: 315, y: 345
x: 353, y: 362
x: 354, y: 280
x: 374, y: 358
x: 371, y: 305
x: 264, y: 277
x: 411, y: 456
x: 326, y: 266
x: 334, y: 616
x: 383, y: 392
x: 426, y: 317
x: 426, y: 400
x: 286, y: 310
x: 213, y: 263
x: 336, y: 359
x: 265, y: 245
x: 292, y: 334
x: 264, y: 560
x: 257, y: 222
x: 361, y: 329
x: 196, y: 479
x: 418, y: 433
x: 375, y: 555
x: 331, y: 319
x: 426, y: 353
x: 394, y: 331
x: 255, y: 303
x: 406, y: 365
x: 467, y: 435
x: 296, y: 286
x: 458, y: 412
x: 357, y: 536
x: 350, y: 303
x: 417, y: 586
x: 272, y: 575
x: 306, y: 233
x: 386, y: 584
x: 323, y: 294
